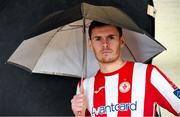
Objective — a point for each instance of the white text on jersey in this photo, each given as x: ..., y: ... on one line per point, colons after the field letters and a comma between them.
x: 114, y: 107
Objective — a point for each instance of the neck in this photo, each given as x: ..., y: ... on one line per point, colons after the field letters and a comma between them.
x: 113, y: 66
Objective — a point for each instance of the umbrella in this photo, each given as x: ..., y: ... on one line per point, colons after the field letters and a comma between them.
x: 63, y: 50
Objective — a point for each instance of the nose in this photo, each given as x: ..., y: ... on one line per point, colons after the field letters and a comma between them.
x: 105, y: 43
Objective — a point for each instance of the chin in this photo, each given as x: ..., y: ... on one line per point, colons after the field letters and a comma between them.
x: 107, y: 60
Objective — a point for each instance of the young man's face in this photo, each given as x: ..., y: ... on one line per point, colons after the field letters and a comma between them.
x: 106, y: 43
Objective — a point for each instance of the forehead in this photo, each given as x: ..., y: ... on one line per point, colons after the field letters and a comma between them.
x: 107, y: 29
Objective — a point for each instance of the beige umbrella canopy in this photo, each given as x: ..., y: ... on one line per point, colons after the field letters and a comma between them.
x: 63, y: 51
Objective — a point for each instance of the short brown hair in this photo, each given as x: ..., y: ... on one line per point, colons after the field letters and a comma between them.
x: 100, y: 24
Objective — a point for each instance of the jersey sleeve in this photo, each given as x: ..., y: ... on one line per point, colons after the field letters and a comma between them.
x: 165, y: 92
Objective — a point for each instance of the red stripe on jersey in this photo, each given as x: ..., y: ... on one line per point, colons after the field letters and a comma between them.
x: 99, y: 97
x: 125, y: 76
x: 169, y: 81
x: 148, y: 101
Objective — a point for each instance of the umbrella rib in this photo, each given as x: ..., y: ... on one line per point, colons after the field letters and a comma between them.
x: 130, y: 52
x: 75, y: 27
x: 69, y: 29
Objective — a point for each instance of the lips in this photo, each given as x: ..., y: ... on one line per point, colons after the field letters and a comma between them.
x: 106, y: 51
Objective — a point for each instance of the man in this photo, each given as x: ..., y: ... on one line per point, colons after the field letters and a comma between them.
x: 122, y: 88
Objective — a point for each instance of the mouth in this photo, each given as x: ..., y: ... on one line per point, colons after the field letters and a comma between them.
x: 106, y: 51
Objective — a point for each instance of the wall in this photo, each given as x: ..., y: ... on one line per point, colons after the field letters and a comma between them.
x: 167, y: 32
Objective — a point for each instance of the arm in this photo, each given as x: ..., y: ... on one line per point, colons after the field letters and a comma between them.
x: 164, y: 92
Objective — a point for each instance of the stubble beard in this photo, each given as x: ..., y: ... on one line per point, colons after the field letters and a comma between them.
x: 107, y: 59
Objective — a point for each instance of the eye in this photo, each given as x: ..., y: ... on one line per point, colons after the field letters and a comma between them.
x: 111, y: 37
x: 97, y: 39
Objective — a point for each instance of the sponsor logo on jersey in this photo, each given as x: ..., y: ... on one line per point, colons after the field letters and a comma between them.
x: 177, y: 93
x: 124, y: 87
x: 114, y: 107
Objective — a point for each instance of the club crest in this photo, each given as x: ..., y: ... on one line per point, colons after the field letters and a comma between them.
x: 124, y: 87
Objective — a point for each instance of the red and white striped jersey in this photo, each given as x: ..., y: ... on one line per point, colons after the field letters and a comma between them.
x: 133, y: 90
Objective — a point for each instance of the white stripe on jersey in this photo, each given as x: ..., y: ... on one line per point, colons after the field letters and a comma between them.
x: 158, y: 81
x: 138, y: 88
x: 111, y: 88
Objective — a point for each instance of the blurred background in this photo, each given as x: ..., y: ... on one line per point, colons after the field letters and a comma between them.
x: 167, y: 32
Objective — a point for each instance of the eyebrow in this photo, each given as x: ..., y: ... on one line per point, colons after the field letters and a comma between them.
x: 111, y: 35
x: 96, y: 37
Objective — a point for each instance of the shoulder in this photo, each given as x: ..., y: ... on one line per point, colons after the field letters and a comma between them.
x: 146, y: 67
x: 144, y: 64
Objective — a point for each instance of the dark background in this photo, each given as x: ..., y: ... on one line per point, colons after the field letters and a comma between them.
x: 23, y: 93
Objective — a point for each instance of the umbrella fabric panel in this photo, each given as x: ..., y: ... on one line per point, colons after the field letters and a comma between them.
x: 63, y: 54
x: 141, y: 46
x: 29, y: 51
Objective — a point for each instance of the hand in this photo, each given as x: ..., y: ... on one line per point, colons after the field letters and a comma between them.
x: 79, y: 104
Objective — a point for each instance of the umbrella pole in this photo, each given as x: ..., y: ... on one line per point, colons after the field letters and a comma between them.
x: 84, y: 64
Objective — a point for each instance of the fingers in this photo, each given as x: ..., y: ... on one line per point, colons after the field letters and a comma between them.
x: 79, y: 104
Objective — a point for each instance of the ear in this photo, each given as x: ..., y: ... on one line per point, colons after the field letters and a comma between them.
x: 122, y: 41
x: 90, y: 44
